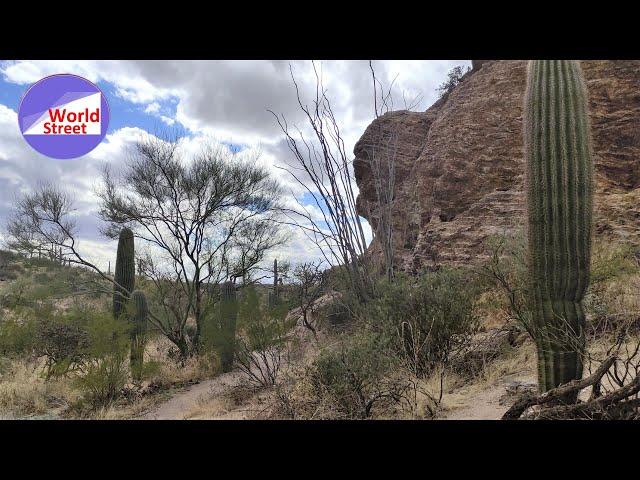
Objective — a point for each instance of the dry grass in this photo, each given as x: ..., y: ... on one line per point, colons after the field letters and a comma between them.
x: 24, y: 393
x: 520, y: 364
x: 238, y: 403
x: 172, y: 373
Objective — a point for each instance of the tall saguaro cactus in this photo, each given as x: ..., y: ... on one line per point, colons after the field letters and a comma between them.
x: 125, y: 273
x: 559, y: 184
x: 228, y: 318
x: 140, y: 312
x: 274, y: 295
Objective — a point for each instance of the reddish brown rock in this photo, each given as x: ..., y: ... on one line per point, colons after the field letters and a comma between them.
x: 459, y: 165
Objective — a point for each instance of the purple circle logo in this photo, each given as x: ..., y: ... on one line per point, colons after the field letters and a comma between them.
x: 63, y: 116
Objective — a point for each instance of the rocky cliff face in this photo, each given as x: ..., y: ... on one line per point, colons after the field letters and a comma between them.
x: 459, y: 166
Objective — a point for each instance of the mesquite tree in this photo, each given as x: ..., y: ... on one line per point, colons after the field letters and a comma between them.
x: 559, y: 179
x: 204, y: 220
x: 308, y: 287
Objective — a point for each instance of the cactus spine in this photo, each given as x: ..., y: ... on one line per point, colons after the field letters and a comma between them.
x: 228, y: 316
x: 124, y: 274
x: 140, y: 311
x: 559, y: 184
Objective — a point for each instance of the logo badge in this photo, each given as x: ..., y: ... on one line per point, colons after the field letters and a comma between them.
x: 63, y: 116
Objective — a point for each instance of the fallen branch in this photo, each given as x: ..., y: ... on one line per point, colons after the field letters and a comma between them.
x: 560, y: 392
x: 597, y: 408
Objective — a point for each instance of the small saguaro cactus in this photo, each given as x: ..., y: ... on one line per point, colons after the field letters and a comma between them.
x: 228, y: 318
x: 125, y: 274
x: 559, y: 188
x: 275, y: 277
x: 138, y: 318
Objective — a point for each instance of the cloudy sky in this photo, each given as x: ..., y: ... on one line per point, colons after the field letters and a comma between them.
x: 219, y: 101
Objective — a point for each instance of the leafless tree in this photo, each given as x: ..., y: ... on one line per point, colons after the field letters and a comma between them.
x: 308, y: 288
x: 338, y: 231
x: 20, y: 238
x: 205, y: 220
x: 382, y: 158
x: 324, y: 169
x: 45, y: 216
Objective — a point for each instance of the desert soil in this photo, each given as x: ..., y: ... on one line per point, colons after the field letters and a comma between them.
x: 490, y: 403
x: 182, y: 404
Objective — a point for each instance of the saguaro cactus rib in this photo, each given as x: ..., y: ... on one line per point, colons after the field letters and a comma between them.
x: 559, y: 181
x: 228, y: 318
x: 138, y: 332
x: 125, y: 274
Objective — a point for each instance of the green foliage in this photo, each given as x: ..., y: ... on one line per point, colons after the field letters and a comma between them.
x: 425, y: 318
x: 506, y: 269
x: 262, y: 340
x: 611, y: 261
x: 10, y: 269
x: 62, y: 340
x: 87, y: 344
x: 105, y: 371
x: 336, y: 313
x: 103, y: 380
x: 125, y: 271
x: 559, y: 171
x: 36, y: 287
x: 260, y: 327
x: 354, y: 376
x: 16, y: 336
x: 454, y: 77
x: 16, y: 295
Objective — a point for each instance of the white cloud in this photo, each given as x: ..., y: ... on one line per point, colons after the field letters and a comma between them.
x: 222, y: 100
x: 152, y: 108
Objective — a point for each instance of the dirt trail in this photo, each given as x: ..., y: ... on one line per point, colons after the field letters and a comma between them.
x: 178, y: 406
x: 486, y: 404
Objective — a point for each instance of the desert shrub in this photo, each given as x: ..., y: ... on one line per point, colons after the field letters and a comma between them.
x: 506, y: 273
x: 335, y: 314
x: 261, y: 346
x: 16, y: 336
x: 15, y: 295
x: 454, y: 77
x: 426, y: 319
x: 9, y: 266
x: 609, y: 261
x: 24, y: 393
x: 104, y: 373
x: 103, y: 381
x: 351, y: 379
x: 62, y: 341
x: 41, y: 278
x: 42, y: 262
x: 612, y: 300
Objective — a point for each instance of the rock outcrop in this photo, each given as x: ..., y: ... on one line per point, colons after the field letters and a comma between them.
x: 459, y: 166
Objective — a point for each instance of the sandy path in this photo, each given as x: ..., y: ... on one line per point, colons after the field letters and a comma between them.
x: 185, y: 401
x: 485, y: 405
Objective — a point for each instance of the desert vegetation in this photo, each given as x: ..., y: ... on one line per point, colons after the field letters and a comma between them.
x: 544, y: 327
